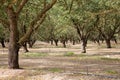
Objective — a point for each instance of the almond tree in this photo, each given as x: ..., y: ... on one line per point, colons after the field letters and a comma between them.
x: 108, y: 21
x: 108, y: 26
x: 12, y: 10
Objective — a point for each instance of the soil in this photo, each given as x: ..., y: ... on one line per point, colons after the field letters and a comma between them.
x: 98, y: 63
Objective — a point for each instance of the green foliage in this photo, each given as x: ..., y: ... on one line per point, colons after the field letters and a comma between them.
x: 57, y: 27
x: 4, y: 33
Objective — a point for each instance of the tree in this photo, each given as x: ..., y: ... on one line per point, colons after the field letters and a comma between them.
x: 13, y: 9
x: 83, y: 22
x: 92, y: 8
x: 108, y: 25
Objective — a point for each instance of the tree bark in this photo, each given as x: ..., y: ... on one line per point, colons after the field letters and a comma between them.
x: 64, y: 43
x: 51, y: 42
x: 73, y: 42
x: 38, y: 20
x: 108, y: 44
x: 2, y: 42
x: 56, y: 42
x: 13, y: 48
x: 25, y: 47
x: 83, y: 46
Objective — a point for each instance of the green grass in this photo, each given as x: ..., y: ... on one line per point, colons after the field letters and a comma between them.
x: 34, y: 54
x: 82, y: 55
x: 111, y: 72
x: 55, y: 70
x: 69, y: 54
x: 110, y: 59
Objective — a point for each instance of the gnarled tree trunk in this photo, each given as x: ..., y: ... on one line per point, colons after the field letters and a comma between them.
x: 13, y: 55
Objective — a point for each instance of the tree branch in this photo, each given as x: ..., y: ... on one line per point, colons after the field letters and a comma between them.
x: 71, y: 6
x: 21, y: 5
x: 40, y: 17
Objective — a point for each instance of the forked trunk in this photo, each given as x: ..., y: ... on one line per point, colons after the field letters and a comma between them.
x: 13, y: 55
x: 108, y: 44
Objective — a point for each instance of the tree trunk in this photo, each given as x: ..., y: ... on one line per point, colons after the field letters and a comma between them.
x: 2, y: 43
x: 64, y: 43
x: 73, y: 42
x: 25, y: 47
x: 56, y: 42
x: 115, y: 41
x: 98, y: 42
x: 31, y: 43
x: 83, y: 46
x: 108, y: 44
x: 13, y: 49
x: 51, y: 42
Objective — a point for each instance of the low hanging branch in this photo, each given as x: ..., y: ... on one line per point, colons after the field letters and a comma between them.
x: 40, y: 17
